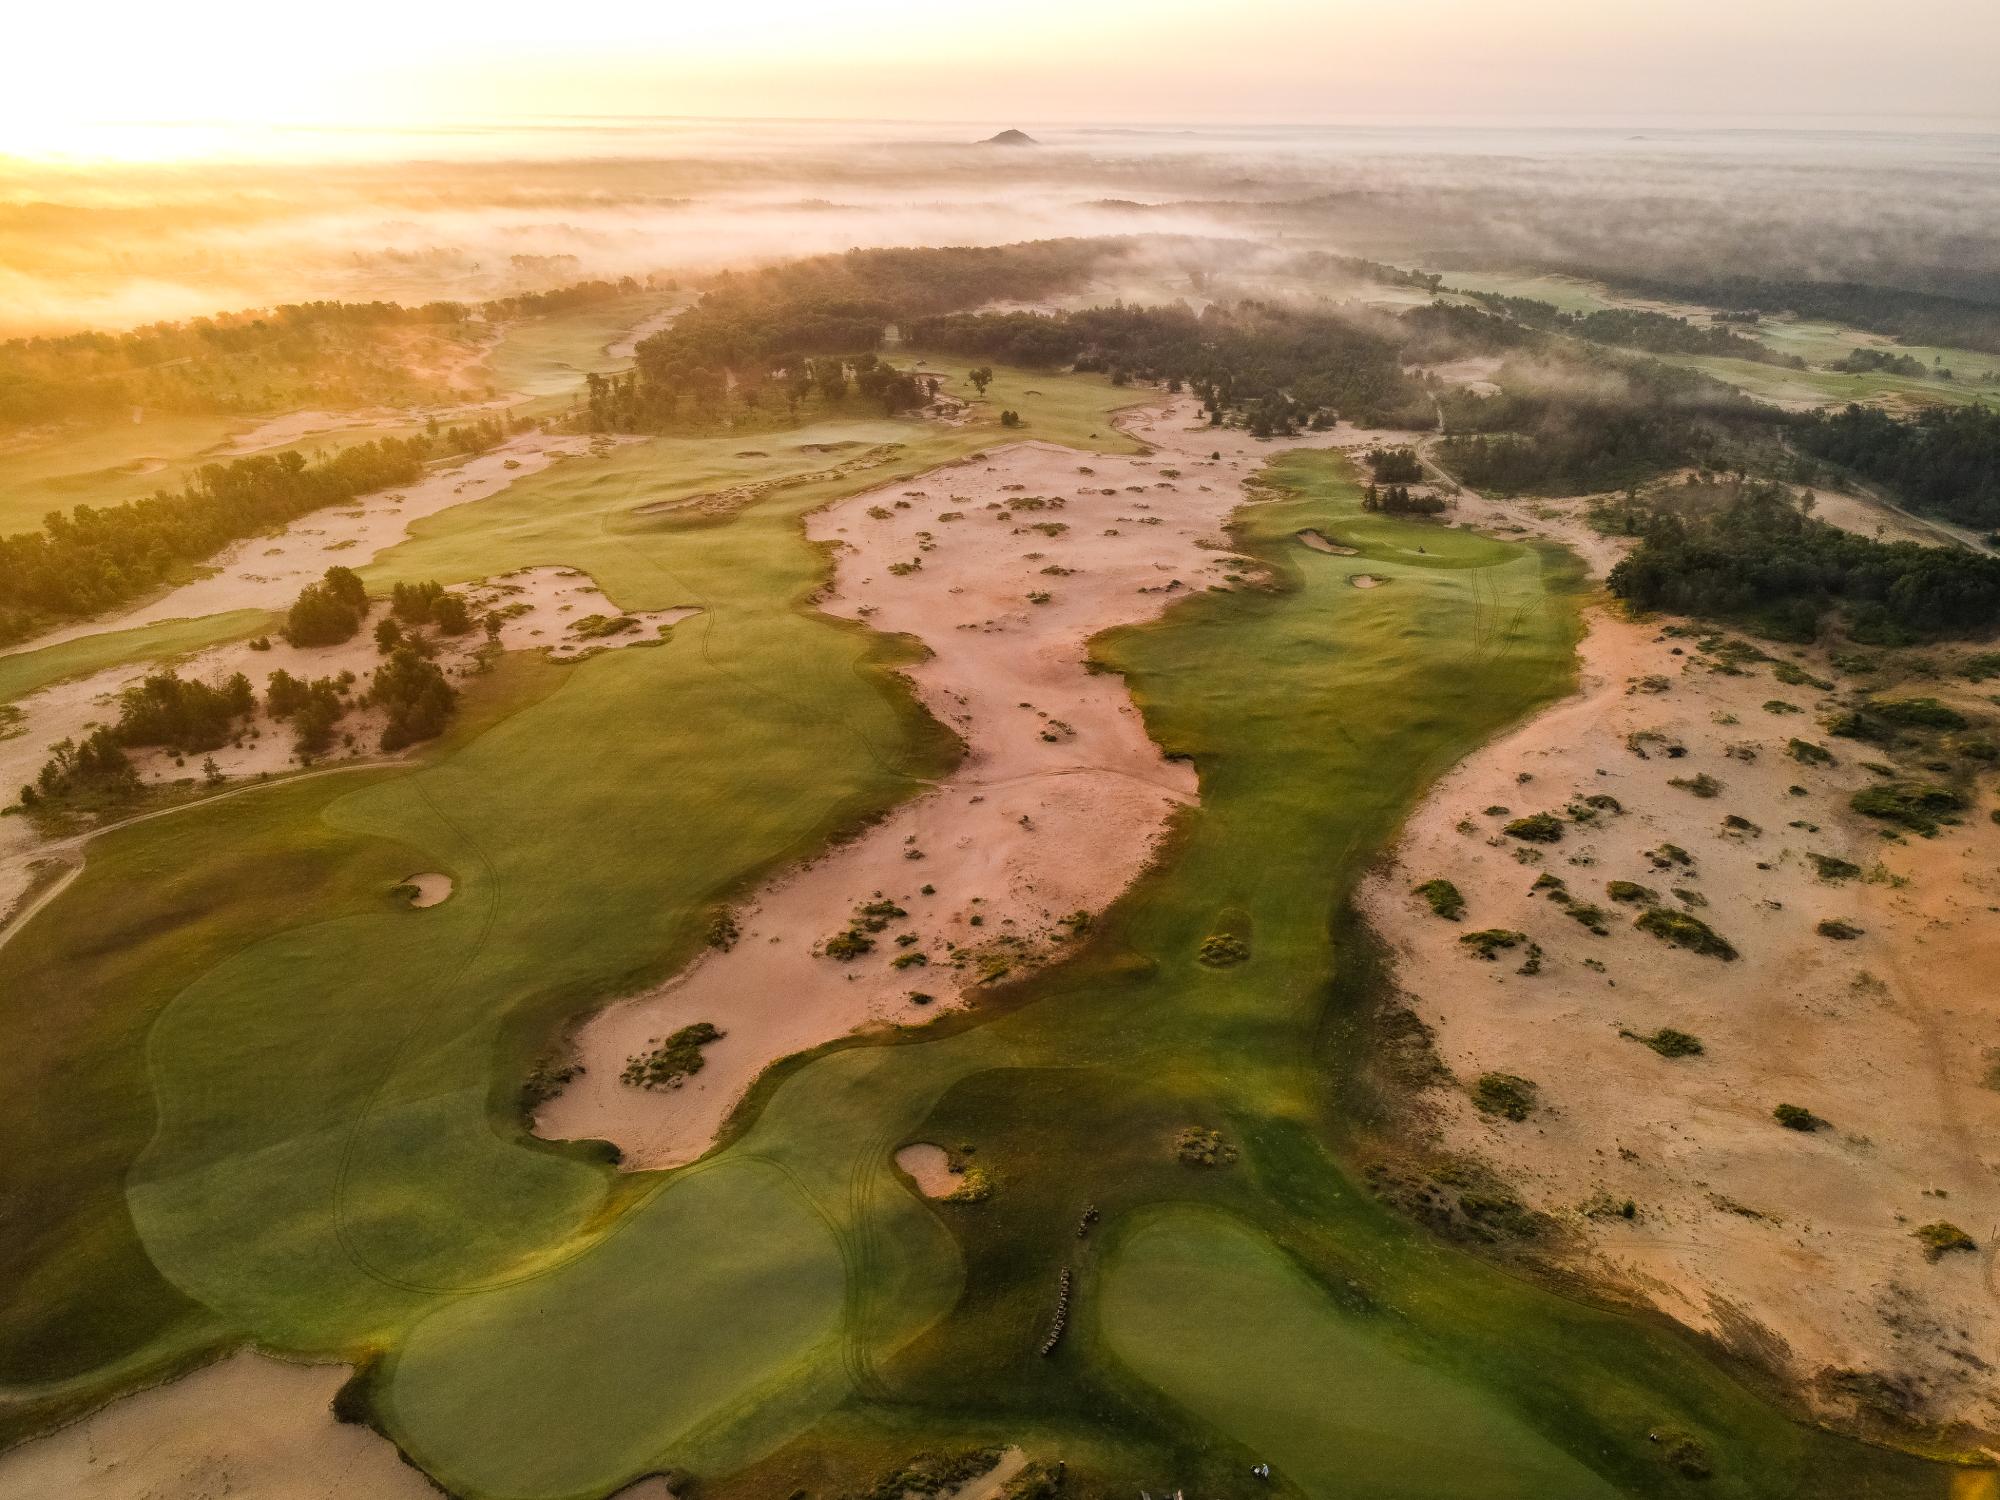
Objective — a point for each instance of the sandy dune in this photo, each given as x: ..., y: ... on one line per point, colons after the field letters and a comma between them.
x: 249, y: 1428
x: 1020, y: 556
x: 1795, y: 1248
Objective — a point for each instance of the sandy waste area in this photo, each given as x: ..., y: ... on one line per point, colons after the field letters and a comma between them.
x: 1795, y: 1248
x: 1004, y: 565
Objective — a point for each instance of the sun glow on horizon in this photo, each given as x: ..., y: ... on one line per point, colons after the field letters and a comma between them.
x: 212, y: 79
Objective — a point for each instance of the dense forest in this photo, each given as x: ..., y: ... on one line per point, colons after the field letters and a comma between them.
x: 1945, y: 460
x: 1637, y: 328
x: 1910, y: 316
x: 329, y: 353
x: 1277, y: 369
x: 93, y: 559
x: 1755, y: 555
x: 1593, y: 423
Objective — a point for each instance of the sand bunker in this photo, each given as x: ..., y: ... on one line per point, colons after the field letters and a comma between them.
x: 1364, y: 580
x: 1004, y: 566
x: 427, y: 890
x: 1795, y: 1248
x: 249, y: 1426
x: 1319, y: 541
x: 930, y: 1168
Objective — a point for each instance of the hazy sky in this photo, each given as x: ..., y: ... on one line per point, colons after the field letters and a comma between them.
x: 1014, y: 61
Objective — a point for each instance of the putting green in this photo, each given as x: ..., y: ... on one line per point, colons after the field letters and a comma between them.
x: 1220, y: 1320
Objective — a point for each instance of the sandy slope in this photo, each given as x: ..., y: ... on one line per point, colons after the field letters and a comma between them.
x: 1058, y: 802
x: 1795, y: 1248
x: 249, y: 1428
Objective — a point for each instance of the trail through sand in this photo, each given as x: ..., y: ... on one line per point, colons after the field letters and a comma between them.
x: 267, y: 572
x: 1005, y: 566
x: 248, y: 1427
x: 1797, y: 1249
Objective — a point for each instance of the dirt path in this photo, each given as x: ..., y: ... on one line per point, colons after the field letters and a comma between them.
x: 1004, y: 566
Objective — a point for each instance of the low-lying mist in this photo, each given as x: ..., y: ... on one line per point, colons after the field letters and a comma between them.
x: 111, y: 246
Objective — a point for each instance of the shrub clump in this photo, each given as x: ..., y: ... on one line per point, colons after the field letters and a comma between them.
x: 1684, y: 931
x: 1219, y: 950
x: 1536, y: 828
x: 1702, y: 785
x: 1839, y: 931
x: 1669, y: 1042
x: 1630, y: 892
x: 1488, y: 941
x: 673, y: 1060
x: 1941, y: 1239
x: 1915, y: 805
x: 1505, y: 1094
x: 1444, y: 898
x: 1832, y: 867
x: 1806, y: 753
x: 1195, y: 1147
x: 1797, y: 1117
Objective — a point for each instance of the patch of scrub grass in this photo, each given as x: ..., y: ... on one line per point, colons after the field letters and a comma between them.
x: 1669, y: 1042
x: 1832, y: 867
x: 1536, y: 828
x: 1443, y: 898
x: 1918, y: 806
x: 1505, y: 1094
x: 1797, y: 1117
x: 1488, y: 942
x: 1838, y: 930
x: 1941, y: 1238
x: 1628, y: 892
x: 671, y: 1062
x: 1684, y: 931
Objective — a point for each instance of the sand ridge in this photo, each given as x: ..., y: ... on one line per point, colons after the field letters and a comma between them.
x: 1795, y: 1248
x: 1004, y: 565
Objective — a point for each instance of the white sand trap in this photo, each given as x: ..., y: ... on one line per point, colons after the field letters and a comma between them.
x: 430, y: 890
x: 1060, y: 800
x: 930, y: 1168
x: 1364, y: 580
x: 1319, y: 541
x: 248, y: 1427
x: 1794, y: 1248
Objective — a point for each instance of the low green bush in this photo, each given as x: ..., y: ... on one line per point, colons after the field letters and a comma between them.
x: 1684, y: 931
x: 1488, y: 941
x: 1797, y: 1117
x: 1941, y: 1239
x: 1505, y: 1094
x: 1536, y: 828
x: 1444, y: 898
x: 1916, y: 805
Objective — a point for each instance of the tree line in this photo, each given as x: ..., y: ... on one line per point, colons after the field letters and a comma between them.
x: 1944, y: 460
x: 1757, y: 556
x: 92, y: 559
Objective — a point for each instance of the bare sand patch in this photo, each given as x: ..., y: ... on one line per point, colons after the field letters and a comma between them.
x: 1865, y: 516
x: 248, y: 1426
x: 1364, y: 580
x: 1319, y: 541
x: 930, y: 1168
x: 1004, y: 565
x: 428, y: 890
x: 1796, y: 1249
x: 267, y: 572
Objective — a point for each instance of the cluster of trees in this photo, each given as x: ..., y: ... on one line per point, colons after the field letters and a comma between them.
x: 1598, y: 423
x: 1911, y: 316
x: 1395, y: 465
x: 1636, y: 328
x: 92, y: 559
x: 336, y: 352
x: 313, y: 707
x: 1397, y: 500
x: 1757, y: 556
x: 411, y: 689
x: 430, y: 603
x: 1945, y: 460
x: 1275, y: 369
x: 162, y: 708
x: 1887, y: 361
x: 328, y: 612
x: 652, y: 399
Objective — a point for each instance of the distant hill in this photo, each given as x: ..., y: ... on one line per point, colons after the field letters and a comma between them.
x: 1011, y: 138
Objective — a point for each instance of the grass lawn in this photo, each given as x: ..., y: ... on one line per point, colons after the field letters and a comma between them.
x: 1221, y: 1321
x: 546, y: 356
